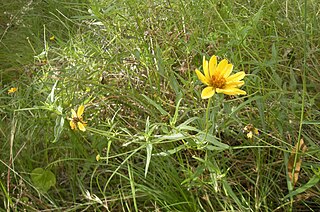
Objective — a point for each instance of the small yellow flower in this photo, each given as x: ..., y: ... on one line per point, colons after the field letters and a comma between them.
x: 218, y: 80
x: 52, y: 38
x: 98, y: 157
x: 250, y: 130
x: 77, y: 120
x: 12, y: 90
x: 249, y: 134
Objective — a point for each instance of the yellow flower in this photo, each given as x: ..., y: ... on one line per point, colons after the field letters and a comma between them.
x: 52, y: 38
x: 218, y: 80
x: 256, y: 131
x: 77, y: 120
x: 250, y: 130
x: 249, y: 134
x: 12, y: 90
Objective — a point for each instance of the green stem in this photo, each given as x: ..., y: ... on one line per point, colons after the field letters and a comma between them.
x: 207, y: 117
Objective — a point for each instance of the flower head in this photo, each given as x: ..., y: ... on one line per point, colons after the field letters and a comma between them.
x: 77, y: 120
x: 12, y: 90
x: 250, y: 130
x: 218, y: 80
x: 98, y: 157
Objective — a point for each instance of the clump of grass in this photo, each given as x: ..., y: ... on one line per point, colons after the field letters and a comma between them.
x: 151, y: 143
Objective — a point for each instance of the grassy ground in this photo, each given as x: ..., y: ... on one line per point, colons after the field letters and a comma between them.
x: 152, y: 143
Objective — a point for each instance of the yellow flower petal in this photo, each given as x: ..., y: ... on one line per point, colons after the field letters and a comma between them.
x: 72, y: 125
x: 220, y: 70
x: 201, y: 77
x: 228, y: 70
x: 80, y: 110
x: 205, y: 66
x: 207, y: 92
x: 231, y: 91
x: 81, y: 127
x: 212, y: 65
x: 249, y: 134
x: 233, y: 84
x: 236, y: 77
x: 73, y: 113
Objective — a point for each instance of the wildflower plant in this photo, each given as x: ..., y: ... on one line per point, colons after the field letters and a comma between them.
x: 218, y: 79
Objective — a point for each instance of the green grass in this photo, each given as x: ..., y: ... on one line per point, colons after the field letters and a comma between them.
x: 161, y: 147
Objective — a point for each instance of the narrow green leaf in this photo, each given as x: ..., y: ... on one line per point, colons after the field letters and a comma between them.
x: 149, y: 153
x: 311, y: 122
x: 4, y: 190
x: 312, y: 182
x: 58, y: 128
x: 202, y: 137
x: 229, y: 192
x: 171, y: 151
x: 176, y: 136
x: 185, y: 124
x: 174, y: 83
x: 147, y: 128
x: 133, y: 188
x: 153, y: 103
x: 175, y: 117
x: 50, y: 97
x: 199, y: 170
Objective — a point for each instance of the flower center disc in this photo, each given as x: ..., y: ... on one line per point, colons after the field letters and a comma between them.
x: 217, y: 82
